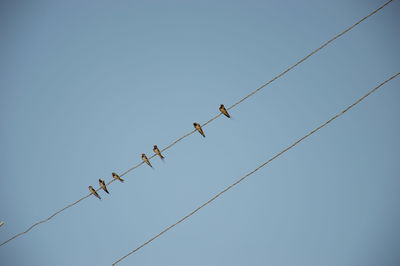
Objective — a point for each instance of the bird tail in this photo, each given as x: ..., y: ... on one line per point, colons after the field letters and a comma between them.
x: 147, y: 162
x: 120, y: 179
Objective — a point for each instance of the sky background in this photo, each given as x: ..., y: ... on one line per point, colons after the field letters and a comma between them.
x: 87, y: 86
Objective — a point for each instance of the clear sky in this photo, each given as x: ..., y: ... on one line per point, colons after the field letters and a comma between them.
x: 87, y: 86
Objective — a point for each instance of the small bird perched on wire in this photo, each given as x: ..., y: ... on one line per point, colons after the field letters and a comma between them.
x: 224, y: 111
x: 103, y: 185
x: 117, y: 177
x: 94, y: 192
x: 144, y: 158
x: 198, y: 127
x: 157, y: 151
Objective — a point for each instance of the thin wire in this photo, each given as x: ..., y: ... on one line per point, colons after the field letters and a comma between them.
x: 309, y: 55
x: 253, y: 171
x: 209, y: 121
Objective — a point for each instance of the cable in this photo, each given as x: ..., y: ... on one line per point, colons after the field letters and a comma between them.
x: 253, y: 171
x: 209, y: 121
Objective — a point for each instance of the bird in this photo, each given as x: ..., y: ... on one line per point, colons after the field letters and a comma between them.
x: 103, y: 185
x: 224, y: 111
x: 198, y: 127
x: 157, y: 151
x: 94, y: 192
x: 117, y: 177
x: 144, y: 158
x: 1, y: 223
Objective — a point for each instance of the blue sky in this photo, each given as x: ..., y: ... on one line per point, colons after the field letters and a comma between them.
x: 86, y: 87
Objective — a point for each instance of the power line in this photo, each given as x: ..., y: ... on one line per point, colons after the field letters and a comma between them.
x: 209, y: 121
x: 253, y: 171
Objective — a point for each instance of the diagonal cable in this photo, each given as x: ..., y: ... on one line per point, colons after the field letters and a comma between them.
x: 253, y: 171
x: 209, y: 121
